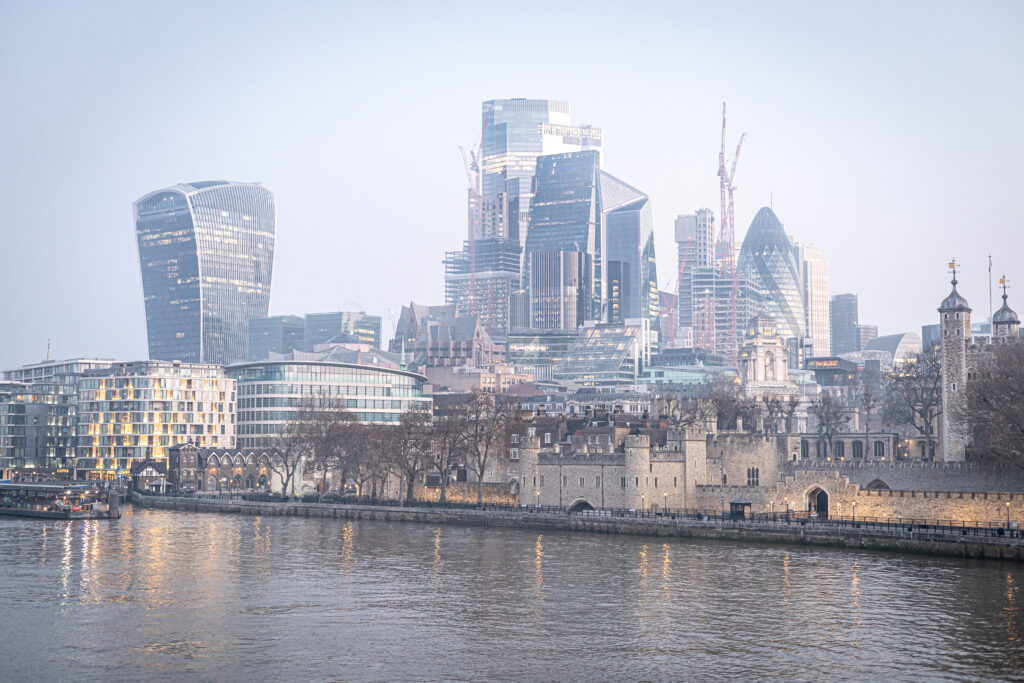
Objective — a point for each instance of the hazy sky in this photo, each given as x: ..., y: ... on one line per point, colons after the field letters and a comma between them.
x: 889, y: 134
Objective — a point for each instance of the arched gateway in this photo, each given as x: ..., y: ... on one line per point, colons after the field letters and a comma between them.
x: 817, y: 501
x: 581, y: 505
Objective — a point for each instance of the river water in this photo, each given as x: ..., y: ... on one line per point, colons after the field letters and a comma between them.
x: 164, y: 595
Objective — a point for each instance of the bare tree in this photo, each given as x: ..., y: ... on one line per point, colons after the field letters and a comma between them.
x: 730, y: 404
x: 832, y: 416
x: 992, y: 407
x: 913, y: 396
x: 449, y: 443
x: 689, y: 411
x: 411, y: 455
x: 290, y: 452
x: 489, y: 423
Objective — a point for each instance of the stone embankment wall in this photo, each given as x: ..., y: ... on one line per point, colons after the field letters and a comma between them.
x: 465, y: 492
x: 898, y: 539
x: 915, y: 475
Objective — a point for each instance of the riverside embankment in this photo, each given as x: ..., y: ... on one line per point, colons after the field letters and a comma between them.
x: 905, y: 538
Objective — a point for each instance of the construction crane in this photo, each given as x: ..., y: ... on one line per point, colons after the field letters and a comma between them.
x: 678, y: 281
x: 727, y: 235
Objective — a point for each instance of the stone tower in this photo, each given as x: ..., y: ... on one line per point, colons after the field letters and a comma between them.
x: 1005, y: 323
x: 955, y: 323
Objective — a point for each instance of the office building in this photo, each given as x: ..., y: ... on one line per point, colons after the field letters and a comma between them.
x: 480, y: 279
x: 369, y: 384
x: 324, y: 328
x: 135, y: 411
x: 514, y: 133
x: 771, y: 260
x: 606, y: 355
x: 865, y: 334
x: 814, y: 276
x: 844, y: 324
x: 566, y: 216
x: 632, y: 279
x: 413, y: 319
x: 537, y: 352
x: 277, y: 334
x: 206, y: 251
x: 561, y: 290
x: 695, y: 244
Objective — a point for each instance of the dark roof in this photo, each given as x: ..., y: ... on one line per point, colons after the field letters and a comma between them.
x: 1005, y: 315
x: 954, y: 302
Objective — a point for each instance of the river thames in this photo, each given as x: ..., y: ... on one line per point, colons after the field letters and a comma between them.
x: 163, y: 595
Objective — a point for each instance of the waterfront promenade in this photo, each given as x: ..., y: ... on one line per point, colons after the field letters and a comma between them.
x: 989, y: 541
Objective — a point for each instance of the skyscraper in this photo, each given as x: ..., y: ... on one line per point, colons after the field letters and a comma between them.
x: 479, y: 280
x: 560, y: 289
x: 629, y: 242
x: 844, y: 324
x: 695, y: 242
x: 771, y: 260
x: 566, y: 216
x: 514, y: 133
x: 814, y: 274
x: 206, y: 251
x: 277, y: 334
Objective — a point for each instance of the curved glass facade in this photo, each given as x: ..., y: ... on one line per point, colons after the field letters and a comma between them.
x: 272, y: 392
x: 629, y: 229
x: 206, y: 251
x: 770, y: 259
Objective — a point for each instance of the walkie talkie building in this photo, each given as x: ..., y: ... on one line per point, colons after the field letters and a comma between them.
x: 206, y: 252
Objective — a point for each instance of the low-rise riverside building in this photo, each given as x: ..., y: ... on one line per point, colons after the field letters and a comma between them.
x: 190, y: 467
x: 371, y: 384
x: 135, y: 411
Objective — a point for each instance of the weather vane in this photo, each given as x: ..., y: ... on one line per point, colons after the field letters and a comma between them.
x: 952, y: 269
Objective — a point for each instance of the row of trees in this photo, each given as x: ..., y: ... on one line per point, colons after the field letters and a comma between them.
x: 331, y: 444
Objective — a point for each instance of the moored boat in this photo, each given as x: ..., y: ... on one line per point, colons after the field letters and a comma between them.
x: 57, y: 500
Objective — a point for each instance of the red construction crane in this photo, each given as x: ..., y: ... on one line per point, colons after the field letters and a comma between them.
x: 727, y: 236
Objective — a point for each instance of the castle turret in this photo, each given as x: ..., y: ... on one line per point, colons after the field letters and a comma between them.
x: 955, y: 323
x: 1005, y: 323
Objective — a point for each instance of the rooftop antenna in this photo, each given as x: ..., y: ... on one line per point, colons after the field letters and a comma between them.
x: 47, y: 348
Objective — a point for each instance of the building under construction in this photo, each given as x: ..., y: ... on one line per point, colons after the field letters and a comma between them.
x: 479, y: 280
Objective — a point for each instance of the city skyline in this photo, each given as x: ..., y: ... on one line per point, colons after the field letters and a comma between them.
x: 852, y: 161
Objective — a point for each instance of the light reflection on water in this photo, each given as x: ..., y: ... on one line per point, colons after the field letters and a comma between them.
x: 160, y: 595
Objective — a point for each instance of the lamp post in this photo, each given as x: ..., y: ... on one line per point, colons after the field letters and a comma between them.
x: 1007, y: 515
x: 664, y: 508
x: 537, y: 493
x: 786, y: 500
x: 723, y: 507
x: 854, y: 503
x: 643, y: 504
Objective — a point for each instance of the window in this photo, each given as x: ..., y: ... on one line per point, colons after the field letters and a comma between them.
x: 655, y: 482
x: 725, y: 479
x: 531, y: 431
x: 514, y: 454
x: 753, y: 476
x: 565, y: 480
x: 675, y: 482
x: 805, y: 449
x: 582, y: 482
x: 858, y: 449
x: 650, y: 467
x: 637, y: 485
x: 547, y: 437
x: 515, y: 438
x: 622, y: 482
x: 542, y: 481
x: 597, y: 481
x: 840, y: 450
x: 879, y: 449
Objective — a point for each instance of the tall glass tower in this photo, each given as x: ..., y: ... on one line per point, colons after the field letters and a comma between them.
x: 206, y: 251
x: 566, y: 216
x: 514, y: 133
x: 771, y: 260
x: 629, y: 249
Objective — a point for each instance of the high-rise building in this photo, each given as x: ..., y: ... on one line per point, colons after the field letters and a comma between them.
x: 277, y: 334
x: 514, y: 133
x: 206, y: 251
x: 695, y: 243
x: 629, y: 241
x: 844, y: 324
x: 479, y: 280
x: 135, y: 411
x: 566, y: 216
x: 324, y: 328
x: 770, y: 258
x: 865, y: 333
x: 814, y: 274
x: 561, y: 290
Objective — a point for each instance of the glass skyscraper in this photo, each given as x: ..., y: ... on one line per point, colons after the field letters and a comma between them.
x: 514, y: 133
x: 566, y: 216
x: 629, y: 251
x: 771, y: 260
x: 206, y: 251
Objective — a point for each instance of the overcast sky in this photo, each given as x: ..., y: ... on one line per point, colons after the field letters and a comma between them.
x: 889, y: 134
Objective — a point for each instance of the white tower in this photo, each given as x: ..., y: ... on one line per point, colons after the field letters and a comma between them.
x: 955, y: 322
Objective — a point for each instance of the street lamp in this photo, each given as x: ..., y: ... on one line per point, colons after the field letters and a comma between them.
x: 786, y: 499
x: 538, y: 497
x: 664, y: 508
x: 723, y: 507
x: 1007, y: 515
x: 854, y: 503
x: 643, y: 503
